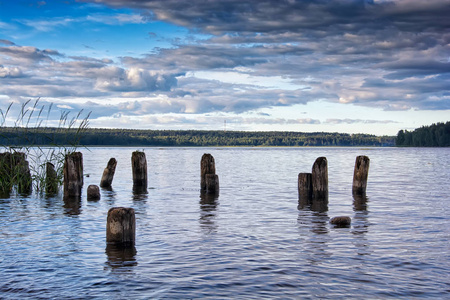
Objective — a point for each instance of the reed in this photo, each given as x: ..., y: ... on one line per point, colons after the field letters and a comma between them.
x: 22, y: 140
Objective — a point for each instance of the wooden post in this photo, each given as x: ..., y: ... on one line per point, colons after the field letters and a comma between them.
x: 212, y: 183
x: 93, y: 192
x: 51, y: 179
x: 108, y: 173
x: 73, y: 174
x: 121, y: 226
x: 360, y: 174
x: 320, y: 179
x: 139, y: 167
x: 207, y: 166
x: 304, y: 187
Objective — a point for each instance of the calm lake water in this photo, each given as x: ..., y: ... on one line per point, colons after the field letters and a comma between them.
x: 251, y: 242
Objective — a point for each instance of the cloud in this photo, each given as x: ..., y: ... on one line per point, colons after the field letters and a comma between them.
x: 385, y: 54
x: 357, y: 121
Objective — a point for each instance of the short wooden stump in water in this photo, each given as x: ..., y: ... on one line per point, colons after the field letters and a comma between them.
x: 341, y: 221
x: 121, y: 226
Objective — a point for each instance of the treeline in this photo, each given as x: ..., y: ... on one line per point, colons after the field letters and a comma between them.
x: 436, y: 135
x: 128, y: 137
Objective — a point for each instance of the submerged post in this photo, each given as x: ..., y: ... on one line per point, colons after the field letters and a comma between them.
x: 51, y: 179
x: 139, y: 167
x: 121, y: 226
x: 320, y: 179
x: 209, y: 184
x: 73, y: 174
x: 108, y: 173
x: 305, y: 187
x: 361, y: 174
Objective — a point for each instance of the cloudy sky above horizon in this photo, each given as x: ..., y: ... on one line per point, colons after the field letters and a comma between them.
x: 373, y: 66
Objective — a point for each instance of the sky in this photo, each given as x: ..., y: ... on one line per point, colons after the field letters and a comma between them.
x: 350, y: 66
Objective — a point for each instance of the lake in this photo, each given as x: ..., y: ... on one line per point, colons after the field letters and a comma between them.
x: 253, y: 241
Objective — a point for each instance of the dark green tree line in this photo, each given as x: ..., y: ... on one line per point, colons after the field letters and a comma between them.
x: 435, y: 135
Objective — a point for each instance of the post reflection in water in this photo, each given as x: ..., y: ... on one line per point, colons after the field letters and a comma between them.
x: 120, y: 256
x: 313, y: 216
x: 140, y: 193
x: 72, y: 205
x: 208, y: 206
x: 110, y: 195
x: 360, y: 223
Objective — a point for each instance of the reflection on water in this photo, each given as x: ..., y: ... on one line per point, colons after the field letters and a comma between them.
x: 109, y: 194
x: 120, y: 256
x: 360, y: 223
x: 140, y: 193
x: 72, y: 205
x: 208, y: 206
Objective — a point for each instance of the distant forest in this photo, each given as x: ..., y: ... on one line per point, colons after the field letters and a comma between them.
x: 128, y: 137
x: 436, y: 135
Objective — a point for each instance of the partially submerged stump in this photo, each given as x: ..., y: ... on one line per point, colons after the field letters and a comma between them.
x: 207, y: 166
x: 93, y: 192
x: 341, y: 221
x: 360, y: 175
x: 108, y: 173
x: 15, y: 170
x: 121, y: 226
x: 139, y: 167
x: 51, y: 179
x: 305, y: 187
x: 73, y: 174
x: 320, y: 179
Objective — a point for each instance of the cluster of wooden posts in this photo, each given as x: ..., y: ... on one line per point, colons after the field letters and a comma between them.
x: 121, y: 222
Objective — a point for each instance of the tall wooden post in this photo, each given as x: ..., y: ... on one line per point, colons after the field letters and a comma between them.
x: 361, y: 174
x: 73, y: 174
x: 208, y: 183
x: 51, y: 179
x: 121, y: 226
x: 108, y: 173
x: 139, y: 167
x: 320, y: 179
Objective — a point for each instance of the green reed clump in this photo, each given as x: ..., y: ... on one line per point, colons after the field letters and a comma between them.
x: 26, y: 164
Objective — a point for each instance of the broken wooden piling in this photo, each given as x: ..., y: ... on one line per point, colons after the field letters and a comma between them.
x: 73, y: 174
x: 305, y: 187
x: 209, y: 181
x: 51, y: 179
x: 121, y: 226
x: 139, y: 168
x: 108, y: 173
x: 360, y: 175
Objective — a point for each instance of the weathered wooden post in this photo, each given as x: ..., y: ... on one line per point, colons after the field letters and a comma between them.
x: 93, y: 192
x: 320, y: 179
x: 51, y: 179
x: 305, y: 187
x: 361, y: 174
x: 207, y: 166
x: 73, y: 174
x: 139, y: 167
x: 108, y: 173
x: 121, y: 226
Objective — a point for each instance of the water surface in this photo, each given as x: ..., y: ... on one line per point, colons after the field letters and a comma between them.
x: 252, y: 241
